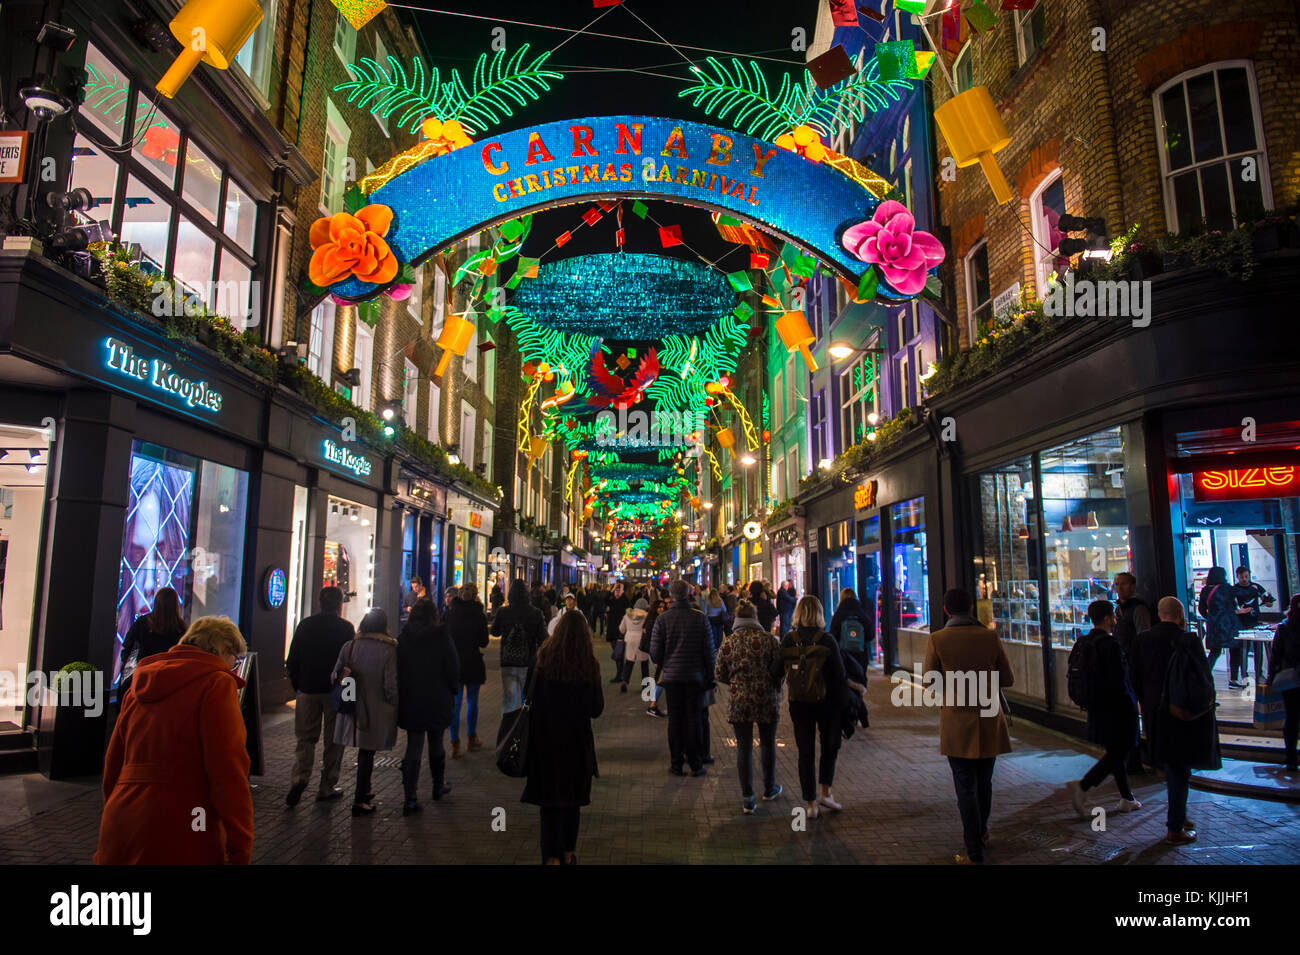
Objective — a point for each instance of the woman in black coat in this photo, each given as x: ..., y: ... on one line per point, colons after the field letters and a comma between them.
x: 561, y: 760
x: 763, y: 605
x: 1219, y: 608
x: 152, y: 633
x: 468, y: 626
x: 428, y: 676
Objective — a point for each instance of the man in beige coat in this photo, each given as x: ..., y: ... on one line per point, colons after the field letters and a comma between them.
x: 968, y: 661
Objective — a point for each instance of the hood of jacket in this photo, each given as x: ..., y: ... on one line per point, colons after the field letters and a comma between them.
x: 165, y: 674
x: 381, y: 637
x: 518, y: 593
x: 636, y: 614
x: 746, y: 623
x: 849, y: 605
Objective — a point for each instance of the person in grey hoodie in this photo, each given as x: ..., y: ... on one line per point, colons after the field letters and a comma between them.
x: 370, y: 661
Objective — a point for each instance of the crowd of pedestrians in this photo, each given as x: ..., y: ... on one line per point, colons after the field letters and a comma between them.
x: 1144, y: 681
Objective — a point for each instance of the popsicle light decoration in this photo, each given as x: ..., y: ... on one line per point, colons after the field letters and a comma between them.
x: 211, y: 32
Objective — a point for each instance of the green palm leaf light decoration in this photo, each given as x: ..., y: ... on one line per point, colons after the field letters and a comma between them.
x: 493, y: 86
x: 740, y: 94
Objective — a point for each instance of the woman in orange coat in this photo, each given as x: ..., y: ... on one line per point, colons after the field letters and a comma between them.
x: 176, y: 774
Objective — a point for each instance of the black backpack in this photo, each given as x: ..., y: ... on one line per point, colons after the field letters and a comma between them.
x: 805, y: 671
x: 1079, y: 678
x: 1189, y: 690
x: 515, y: 646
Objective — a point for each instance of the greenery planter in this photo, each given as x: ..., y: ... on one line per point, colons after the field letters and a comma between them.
x: 1177, y: 261
x: 79, y: 742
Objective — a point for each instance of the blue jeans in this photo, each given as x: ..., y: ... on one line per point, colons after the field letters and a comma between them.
x: 468, y: 692
x: 512, y: 688
x: 1178, y: 780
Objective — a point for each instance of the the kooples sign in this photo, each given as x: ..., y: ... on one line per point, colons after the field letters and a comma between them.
x: 337, y: 454
x: 160, y: 374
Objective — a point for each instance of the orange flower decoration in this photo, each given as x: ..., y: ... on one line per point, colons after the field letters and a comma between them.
x: 803, y: 140
x: 346, y: 244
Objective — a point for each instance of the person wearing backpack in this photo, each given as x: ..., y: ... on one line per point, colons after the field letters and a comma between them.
x: 521, y: 628
x: 1098, y: 683
x: 854, y: 627
x: 1218, y: 607
x: 970, y: 739
x: 814, y: 674
x: 1175, y: 690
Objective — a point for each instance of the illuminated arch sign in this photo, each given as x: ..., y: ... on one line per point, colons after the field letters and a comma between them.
x: 504, y: 176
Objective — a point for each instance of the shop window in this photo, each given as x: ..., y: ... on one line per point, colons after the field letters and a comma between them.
x: 792, y: 473
x: 859, y: 395
x: 184, y: 529
x: 1086, y: 535
x: 297, y: 568
x: 489, y: 359
x: 791, y: 409
x: 439, y: 300
x: 778, y: 399
x: 822, y: 446
x: 255, y: 56
x: 24, y: 471
x: 487, y: 450
x: 963, y: 68
x: 468, y: 424
x: 350, y: 556
x: 435, y: 413
x: 979, y: 295
x: 911, y: 570
x: 210, y: 236
x: 904, y: 382
x: 1211, y: 138
x: 1030, y: 31
x: 1007, y: 553
x: 1046, y: 206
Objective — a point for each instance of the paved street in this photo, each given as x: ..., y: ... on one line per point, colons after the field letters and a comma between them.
x: 895, y: 787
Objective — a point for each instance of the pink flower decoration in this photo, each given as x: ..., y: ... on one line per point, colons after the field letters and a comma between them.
x: 399, y: 293
x: 889, y: 240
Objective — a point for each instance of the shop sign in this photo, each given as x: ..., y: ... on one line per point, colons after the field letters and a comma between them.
x: 1246, y: 483
x: 864, y: 495
x: 469, y: 514
x: 13, y: 155
x: 337, y: 454
x: 786, y: 537
x: 160, y: 374
x: 692, y: 538
x: 427, y: 493
x: 275, y: 587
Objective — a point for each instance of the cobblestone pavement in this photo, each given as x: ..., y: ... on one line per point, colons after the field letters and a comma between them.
x: 896, y: 789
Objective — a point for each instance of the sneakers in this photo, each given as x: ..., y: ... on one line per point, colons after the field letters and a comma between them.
x: 749, y: 805
x: 441, y: 791
x: 474, y: 743
x: 772, y: 793
x: 295, y: 794
x: 1234, y: 685
x: 652, y: 711
x: 676, y: 770
x: 330, y: 796
x: 1185, y: 837
x: 828, y: 800
x: 1075, y: 789
x: 362, y: 809
x: 1127, y: 805
x: 699, y: 772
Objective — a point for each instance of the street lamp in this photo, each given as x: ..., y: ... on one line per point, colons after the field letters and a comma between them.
x: 747, y: 460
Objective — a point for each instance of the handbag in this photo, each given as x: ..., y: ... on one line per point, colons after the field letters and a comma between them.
x: 1288, y: 679
x: 339, y: 702
x: 620, y: 650
x: 512, y: 741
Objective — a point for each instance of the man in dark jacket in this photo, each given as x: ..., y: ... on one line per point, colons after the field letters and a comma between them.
x: 786, y: 599
x: 597, y: 617
x: 312, y: 654
x: 1133, y: 615
x: 467, y: 624
x: 1179, y: 745
x: 1112, y: 709
x: 521, y: 628
x: 615, y: 607
x: 682, y: 648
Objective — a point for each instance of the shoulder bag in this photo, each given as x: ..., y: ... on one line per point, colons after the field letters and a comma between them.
x: 339, y: 701
x: 512, y: 745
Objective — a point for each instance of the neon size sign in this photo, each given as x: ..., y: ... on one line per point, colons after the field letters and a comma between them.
x: 1246, y: 483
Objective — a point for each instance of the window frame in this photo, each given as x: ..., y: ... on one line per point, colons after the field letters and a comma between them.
x: 348, y: 53
x: 410, y: 392
x: 1020, y: 19
x: 850, y: 400
x: 381, y: 58
x: 1261, y: 145
x: 361, y: 394
x: 968, y: 52
x: 1042, y: 259
x: 338, y: 132
x: 261, y: 59
x: 971, y: 307
x: 433, y: 426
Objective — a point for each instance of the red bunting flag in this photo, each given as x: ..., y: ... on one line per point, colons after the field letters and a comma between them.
x: 872, y: 14
x: 563, y: 238
x: 591, y: 216
x: 758, y: 260
x: 1018, y: 4
x: 952, y: 29
x: 597, y: 4
x: 844, y: 13
x: 670, y: 235
x: 618, y: 237
x: 607, y: 204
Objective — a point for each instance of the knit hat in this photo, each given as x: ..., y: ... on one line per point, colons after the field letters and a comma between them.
x: 641, y: 604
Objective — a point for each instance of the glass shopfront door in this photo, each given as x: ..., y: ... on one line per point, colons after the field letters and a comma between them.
x: 350, y: 556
